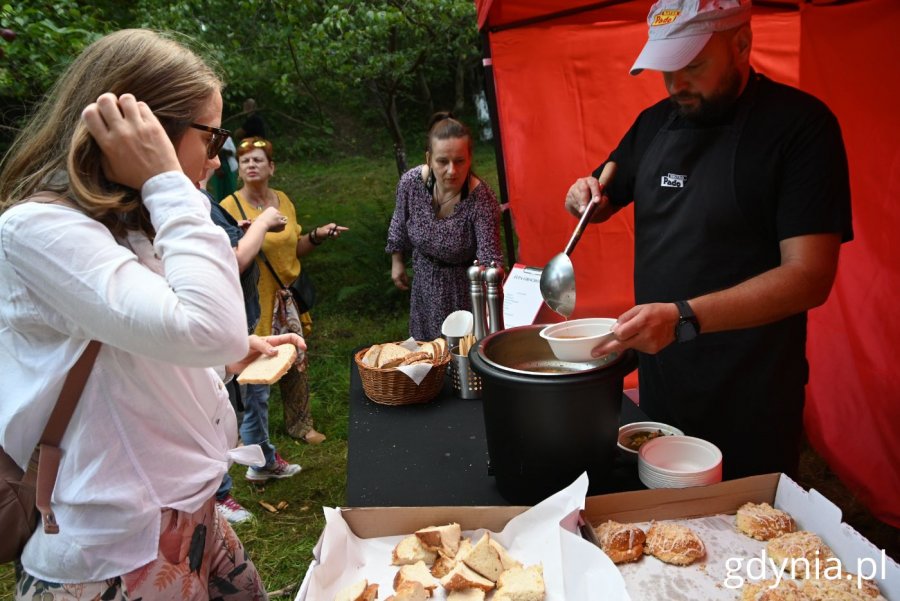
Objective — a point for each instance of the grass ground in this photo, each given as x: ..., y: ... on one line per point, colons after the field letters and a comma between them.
x: 358, y: 305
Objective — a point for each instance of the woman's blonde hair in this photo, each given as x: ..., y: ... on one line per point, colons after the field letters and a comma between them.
x: 55, y: 152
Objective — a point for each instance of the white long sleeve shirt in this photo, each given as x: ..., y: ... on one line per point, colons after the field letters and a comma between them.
x: 153, y: 427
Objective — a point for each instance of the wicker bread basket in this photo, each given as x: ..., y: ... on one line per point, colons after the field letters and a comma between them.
x: 393, y: 387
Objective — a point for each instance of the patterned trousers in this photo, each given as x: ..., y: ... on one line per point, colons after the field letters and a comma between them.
x: 189, y: 567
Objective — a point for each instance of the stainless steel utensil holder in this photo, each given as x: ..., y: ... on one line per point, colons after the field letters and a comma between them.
x: 466, y: 383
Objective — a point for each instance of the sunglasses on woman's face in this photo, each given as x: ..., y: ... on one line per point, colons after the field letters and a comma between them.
x: 216, y: 140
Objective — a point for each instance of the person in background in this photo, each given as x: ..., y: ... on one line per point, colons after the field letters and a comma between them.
x: 283, y: 250
x: 741, y: 201
x: 253, y: 125
x: 246, y: 239
x: 223, y: 180
x: 444, y: 218
x: 104, y: 236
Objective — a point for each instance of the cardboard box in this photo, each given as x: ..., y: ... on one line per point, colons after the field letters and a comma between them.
x: 372, y: 522
x: 357, y: 544
x: 810, y: 510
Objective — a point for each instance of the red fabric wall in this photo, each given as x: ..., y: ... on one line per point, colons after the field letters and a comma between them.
x: 564, y: 99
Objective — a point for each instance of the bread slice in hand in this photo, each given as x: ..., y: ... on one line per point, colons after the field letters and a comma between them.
x: 268, y: 370
x: 358, y: 591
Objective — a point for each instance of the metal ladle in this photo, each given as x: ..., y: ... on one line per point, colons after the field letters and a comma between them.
x: 558, y: 276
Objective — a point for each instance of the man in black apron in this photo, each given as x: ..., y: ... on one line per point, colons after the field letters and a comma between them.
x: 741, y: 201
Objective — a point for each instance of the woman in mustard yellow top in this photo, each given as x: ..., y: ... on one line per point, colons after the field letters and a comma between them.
x: 283, y: 250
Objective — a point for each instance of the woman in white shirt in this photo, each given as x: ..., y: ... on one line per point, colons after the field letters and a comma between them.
x: 104, y: 236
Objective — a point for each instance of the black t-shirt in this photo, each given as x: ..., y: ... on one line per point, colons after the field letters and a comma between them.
x: 791, y: 175
x: 254, y: 126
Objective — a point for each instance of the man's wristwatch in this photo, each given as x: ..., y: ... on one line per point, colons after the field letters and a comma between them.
x: 687, y: 327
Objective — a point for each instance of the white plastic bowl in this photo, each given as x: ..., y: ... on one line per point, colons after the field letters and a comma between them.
x: 629, y: 430
x: 679, y: 461
x: 574, y: 340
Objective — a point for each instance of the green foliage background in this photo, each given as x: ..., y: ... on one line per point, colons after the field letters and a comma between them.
x: 332, y: 77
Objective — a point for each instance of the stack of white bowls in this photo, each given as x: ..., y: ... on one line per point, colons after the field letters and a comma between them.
x: 679, y: 462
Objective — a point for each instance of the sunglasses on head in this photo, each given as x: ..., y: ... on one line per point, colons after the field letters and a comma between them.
x: 253, y: 144
x: 216, y: 140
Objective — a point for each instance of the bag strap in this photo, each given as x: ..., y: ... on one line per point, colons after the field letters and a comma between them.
x: 49, y: 455
x: 260, y: 254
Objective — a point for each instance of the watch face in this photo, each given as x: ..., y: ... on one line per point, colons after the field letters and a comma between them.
x: 686, y: 331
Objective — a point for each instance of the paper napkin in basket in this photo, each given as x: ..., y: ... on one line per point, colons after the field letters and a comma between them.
x: 416, y: 373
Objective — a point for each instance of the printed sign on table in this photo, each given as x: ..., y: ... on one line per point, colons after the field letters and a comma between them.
x: 522, y: 296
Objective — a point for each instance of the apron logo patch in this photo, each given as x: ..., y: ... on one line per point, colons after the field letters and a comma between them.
x: 673, y: 180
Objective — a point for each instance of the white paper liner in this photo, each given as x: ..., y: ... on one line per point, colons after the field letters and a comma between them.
x: 650, y: 579
x: 545, y: 534
x: 732, y: 560
x: 416, y: 373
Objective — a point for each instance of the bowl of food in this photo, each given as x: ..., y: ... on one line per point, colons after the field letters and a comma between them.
x: 632, y: 436
x: 574, y: 340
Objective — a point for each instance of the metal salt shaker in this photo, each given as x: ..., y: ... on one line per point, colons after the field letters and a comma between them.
x: 475, y: 274
x: 493, y: 278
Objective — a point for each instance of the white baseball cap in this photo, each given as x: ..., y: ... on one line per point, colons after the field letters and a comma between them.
x: 679, y: 29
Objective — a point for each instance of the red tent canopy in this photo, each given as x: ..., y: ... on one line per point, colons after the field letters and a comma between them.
x: 563, y: 99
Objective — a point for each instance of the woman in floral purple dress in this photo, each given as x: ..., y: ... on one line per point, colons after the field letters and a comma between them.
x: 445, y: 218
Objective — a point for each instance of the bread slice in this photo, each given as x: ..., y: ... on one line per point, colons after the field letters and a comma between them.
x: 442, y: 565
x: 391, y: 355
x: 416, y: 357
x: 466, y: 594
x: 370, y: 358
x: 505, y: 558
x: 521, y: 584
x: 428, y: 348
x: 358, y: 591
x: 485, y: 559
x: 462, y: 576
x: 444, y: 538
x: 409, y: 591
x: 417, y: 572
x: 268, y: 370
x: 410, y: 550
x: 441, y: 345
x: 465, y: 547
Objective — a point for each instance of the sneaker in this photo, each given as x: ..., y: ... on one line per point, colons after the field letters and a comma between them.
x: 280, y: 469
x: 232, y: 511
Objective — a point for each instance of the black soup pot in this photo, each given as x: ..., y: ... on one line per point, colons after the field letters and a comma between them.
x: 546, y: 421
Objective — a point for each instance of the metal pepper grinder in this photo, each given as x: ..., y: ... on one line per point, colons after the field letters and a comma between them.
x: 475, y: 274
x: 493, y: 279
